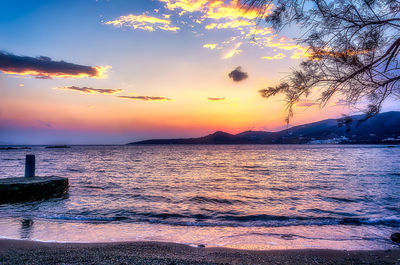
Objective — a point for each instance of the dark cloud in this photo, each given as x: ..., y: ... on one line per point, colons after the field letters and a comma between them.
x: 145, y: 98
x: 238, y: 75
x: 215, y: 99
x: 90, y: 90
x: 45, y: 68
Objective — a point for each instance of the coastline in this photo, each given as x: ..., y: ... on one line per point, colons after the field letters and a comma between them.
x: 33, y: 252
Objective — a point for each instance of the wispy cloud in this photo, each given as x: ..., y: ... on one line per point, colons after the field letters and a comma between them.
x: 215, y: 9
x: 186, y: 5
x: 210, y: 46
x: 238, y: 74
x: 215, y: 15
x: 90, y: 90
x: 45, y: 68
x: 232, y: 14
x: 216, y: 99
x: 278, y: 56
x: 145, y: 98
x: 234, y: 51
x: 144, y: 22
x: 230, y: 24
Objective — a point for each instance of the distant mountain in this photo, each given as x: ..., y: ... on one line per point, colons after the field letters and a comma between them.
x: 383, y: 128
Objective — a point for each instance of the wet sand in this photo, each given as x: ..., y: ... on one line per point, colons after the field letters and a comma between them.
x: 30, y: 252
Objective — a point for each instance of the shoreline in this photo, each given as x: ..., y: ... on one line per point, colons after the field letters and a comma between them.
x: 34, y: 252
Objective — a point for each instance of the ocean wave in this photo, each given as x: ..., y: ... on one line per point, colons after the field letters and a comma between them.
x: 82, y: 218
x: 278, y: 222
x: 261, y: 220
x: 150, y: 198
x: 345, y: 200
x: 92, y: 187
x: 289, y: 236
x: 75, y: 170
x: 201, y: 199
x: 320, y: 211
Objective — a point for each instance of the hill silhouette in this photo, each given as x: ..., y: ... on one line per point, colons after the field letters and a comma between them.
x: 383, y: 128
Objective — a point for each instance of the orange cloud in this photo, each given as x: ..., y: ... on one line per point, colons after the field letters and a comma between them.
x: 278, y: 56
x: 45, y: 68
x: 143, y: 22
x: 186, y: 5
x: 232, y: 10
x: 231, y: 24
x: 263, y: 40
x: 258, y: 31
x: 214, y: 9
x: 211, y: 46
x: 300, y: 54
x: 231, y: 14
x: 319, y: 54
x: 216, y: 99
x: 89, y: 90
x: 145, y: 98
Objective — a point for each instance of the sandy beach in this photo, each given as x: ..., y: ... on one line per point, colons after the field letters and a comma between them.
x: 30, y: 252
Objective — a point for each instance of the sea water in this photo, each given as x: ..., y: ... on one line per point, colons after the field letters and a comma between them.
x: 243, y: 196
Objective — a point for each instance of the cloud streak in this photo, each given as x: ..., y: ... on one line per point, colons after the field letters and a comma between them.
x: 234, y: 51
x: 45, y: 68
x: 90, y: 90
x: 238, y: 75
x: 143, y: 22
x: 278, y: 56
x: 216, y: 99
x: 145, y: 98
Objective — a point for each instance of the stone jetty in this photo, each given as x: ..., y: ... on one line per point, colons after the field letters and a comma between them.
x: 31, y: 187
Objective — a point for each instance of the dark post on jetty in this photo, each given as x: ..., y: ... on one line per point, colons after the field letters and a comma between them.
x: 31, y: 187
x: 30, y: 166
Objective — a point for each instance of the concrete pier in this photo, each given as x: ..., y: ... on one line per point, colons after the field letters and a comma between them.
x: 31, y: 187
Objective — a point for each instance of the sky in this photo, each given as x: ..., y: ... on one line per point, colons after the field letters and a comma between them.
x: 117, y: 71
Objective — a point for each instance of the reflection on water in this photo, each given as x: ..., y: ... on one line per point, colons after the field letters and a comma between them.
x: 26, y: 228
x: 292, y: 196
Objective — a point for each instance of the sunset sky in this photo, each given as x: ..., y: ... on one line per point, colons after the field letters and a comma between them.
x: 115, y: 71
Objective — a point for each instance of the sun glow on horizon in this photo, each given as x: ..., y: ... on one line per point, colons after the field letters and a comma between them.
x: 190, y: 66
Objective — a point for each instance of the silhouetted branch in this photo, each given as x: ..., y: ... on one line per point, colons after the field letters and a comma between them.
x: 353, y: 49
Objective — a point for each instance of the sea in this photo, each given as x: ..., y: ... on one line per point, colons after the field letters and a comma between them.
x: 238, y: 196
